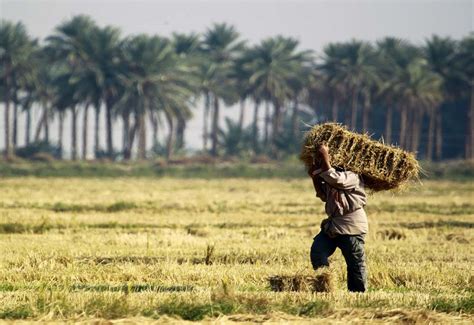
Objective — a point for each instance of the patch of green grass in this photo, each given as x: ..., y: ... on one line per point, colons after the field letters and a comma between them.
x: 437, y: 224
x: 120, y: 206
x: 465, y: 305
x: 109, y: 307
x: 115, y: 207
x: 195, y: 311
x: 20, y: 228
x: 437, y: 209
x: 316, y: 307
x: 18, y: 312
x: 64, y: 207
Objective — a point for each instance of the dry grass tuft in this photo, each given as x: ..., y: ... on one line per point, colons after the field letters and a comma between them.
x: 391, y: 234
x: 323, y: 281
x: 384, y: 167
x: 459, y: 238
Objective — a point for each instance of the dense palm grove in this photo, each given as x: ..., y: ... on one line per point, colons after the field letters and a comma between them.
x: 418, y: 97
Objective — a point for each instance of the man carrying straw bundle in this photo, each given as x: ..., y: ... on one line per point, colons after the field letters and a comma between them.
x: 345, y: 198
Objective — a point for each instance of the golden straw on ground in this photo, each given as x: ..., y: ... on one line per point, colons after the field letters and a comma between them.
x: 383, y: 167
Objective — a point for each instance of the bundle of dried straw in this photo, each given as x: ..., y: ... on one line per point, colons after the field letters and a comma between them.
x: 383, y: 167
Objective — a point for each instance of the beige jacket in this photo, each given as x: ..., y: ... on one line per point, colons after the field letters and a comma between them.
x: 345, y: 199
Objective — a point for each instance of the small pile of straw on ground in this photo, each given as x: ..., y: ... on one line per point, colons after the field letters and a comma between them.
x: 321, y: 282
x: 383, y: 167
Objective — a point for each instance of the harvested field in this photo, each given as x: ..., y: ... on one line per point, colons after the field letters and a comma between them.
x: 161, y: 249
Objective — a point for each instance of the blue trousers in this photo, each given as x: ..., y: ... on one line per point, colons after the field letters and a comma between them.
x: 352, y: 248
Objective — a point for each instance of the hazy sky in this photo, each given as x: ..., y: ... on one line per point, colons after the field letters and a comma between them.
x: 314, y: 23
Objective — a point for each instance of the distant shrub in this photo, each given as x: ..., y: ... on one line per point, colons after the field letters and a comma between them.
x: 39, y: 151
x: 44, y: 157
x: 104, y: 155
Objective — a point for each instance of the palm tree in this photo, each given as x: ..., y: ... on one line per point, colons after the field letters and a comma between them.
x: 297, y: 84
x: 74, y: 44
x: 45, y: 94
x: 67, y: 99
x: 105, y: 62
x: 29, y: 80
x: 15, y: 49
x: 465, y: 71
x: 330, y: 68
x: 440, y: 54
x: 421, y: 91
x: 241, y: 76
x: 188, y: 47
x: 395, y: 55
x: 352, y: 66
x: 275, y: 63
x: 221, y: 45
x: 156, y: 81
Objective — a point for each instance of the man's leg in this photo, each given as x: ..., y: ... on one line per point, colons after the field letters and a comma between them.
x: 352, y: 247
x: 322, y: 248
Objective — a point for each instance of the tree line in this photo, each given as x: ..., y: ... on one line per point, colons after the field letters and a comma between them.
x: 411, y: 95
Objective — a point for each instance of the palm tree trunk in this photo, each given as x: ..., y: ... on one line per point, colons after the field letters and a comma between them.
x: 60, y: 133
x: 267, y: 123
x: 131, y: 139
x: 409, y: 130
x: 431, y: 130
x: 416, y: 129
x: 470, y: 135
x: 410, y: 133
x: 28, y: 126
x: 335, y: 109
x: 126, y: 136
x: 365, y: 116
x: 215, y: 126
x: 294, y: 120
x: 154, y: 126
x: 241, y: 114
x: 276, y: 120
x: 110, y: 145
x: 39, y: 127
x: 74, y: 134
x: 205, y: 134
x: 84, y: 132
x: 255, y: 127
x: 8, y: 149
x: 388, y: 124
x: 46, y: 124
x: 275, y: 127
x: 439, y: 135
x: 96, y: 129
x: 354, y: 109
x: 180, y: 128
x: 171, y: 138
x: 142, y: 136
x: 347, y: 115
x: 15, y: 125
x: 403, y: 126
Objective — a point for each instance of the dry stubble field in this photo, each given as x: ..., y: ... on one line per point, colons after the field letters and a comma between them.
x: 148, y: 249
